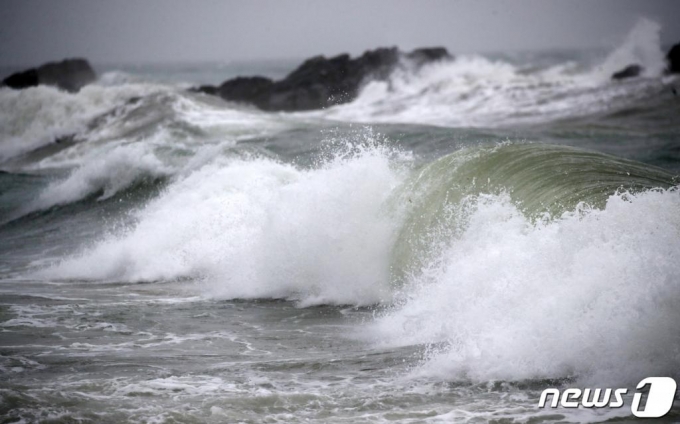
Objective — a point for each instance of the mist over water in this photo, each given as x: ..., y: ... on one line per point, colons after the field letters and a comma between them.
x: 455, y: 240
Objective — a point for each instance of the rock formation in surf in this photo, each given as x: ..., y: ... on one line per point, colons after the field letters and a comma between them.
x: 634, y: 70
x: 69, y: 74
x: 627, y: 72
x: 673, y: 59
x: 321, y: 82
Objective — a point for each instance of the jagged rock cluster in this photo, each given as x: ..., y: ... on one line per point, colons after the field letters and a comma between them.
x: 69, y: 74
x: 317, y: 83
x: 321, y: 82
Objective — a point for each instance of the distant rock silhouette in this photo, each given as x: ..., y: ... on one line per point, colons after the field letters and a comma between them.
x: 673, y: 58
x: 320, y: 82
x: 429, y: 54
x: 255, y: 90
x: 629, y: 71
x: 70, y: 75
x: 23, y: 79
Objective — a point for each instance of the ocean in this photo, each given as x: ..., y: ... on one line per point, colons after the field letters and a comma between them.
x: 443, y: 248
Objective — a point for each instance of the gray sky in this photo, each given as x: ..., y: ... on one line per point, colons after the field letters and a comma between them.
x: 34, y: 31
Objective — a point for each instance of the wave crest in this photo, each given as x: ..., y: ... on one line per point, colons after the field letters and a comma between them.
x: 591, y: 295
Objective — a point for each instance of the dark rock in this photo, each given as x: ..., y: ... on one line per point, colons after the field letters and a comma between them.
x: 23, y: 79
x: 207, y: 89
x: 629, y: 71
x: 673, y: 58
x: 70, y: 75
x: 425, y: 55
x: 245, y: 89
x: 320, y: 82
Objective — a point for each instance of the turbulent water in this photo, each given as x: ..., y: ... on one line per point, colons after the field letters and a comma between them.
x: 441, y: 249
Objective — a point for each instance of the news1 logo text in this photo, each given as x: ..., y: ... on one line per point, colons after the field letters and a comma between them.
x: 660, y: 396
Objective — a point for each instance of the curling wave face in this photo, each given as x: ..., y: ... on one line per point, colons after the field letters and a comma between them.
x: 585, y: 295
x: 543, y: 182
x: 476, y: 255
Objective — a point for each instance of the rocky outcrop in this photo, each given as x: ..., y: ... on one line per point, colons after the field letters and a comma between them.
x: 673, y: 59
x: 629, y: 71
x: 672, y: 67
x: 24, y: 79
x: 431, y: 54
x: 321, y: 82
x: 246, y: 89
x: 70, y: 75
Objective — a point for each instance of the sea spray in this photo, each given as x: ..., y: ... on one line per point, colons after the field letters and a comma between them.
x: 590, y: 294
x: 540, y: 179
x: 642, y: 46
x: 257, y: 228
x: 478, y: 91
x: 36, y: 117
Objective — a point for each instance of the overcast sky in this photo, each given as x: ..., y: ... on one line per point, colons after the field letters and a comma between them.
x: 114, y: 31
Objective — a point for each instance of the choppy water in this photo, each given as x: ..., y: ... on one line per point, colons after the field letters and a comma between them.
x: 442, y: 249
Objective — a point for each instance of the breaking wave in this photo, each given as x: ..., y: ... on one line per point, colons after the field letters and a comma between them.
x: 477, y: 91
x: 516, y: 261
x: 590, y: 295
x: 574, y: 277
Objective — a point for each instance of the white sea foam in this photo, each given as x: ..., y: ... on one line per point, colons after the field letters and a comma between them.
x: 121, y: 139
x: 118, y: 78
x: 592, y: 294
x: 104, y: 116
x: 108, y: 174
x: 259, y: 228
x: 36, y: 116
x: 176, y: 386
x: 475, y: 91
x: 642, y: 46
